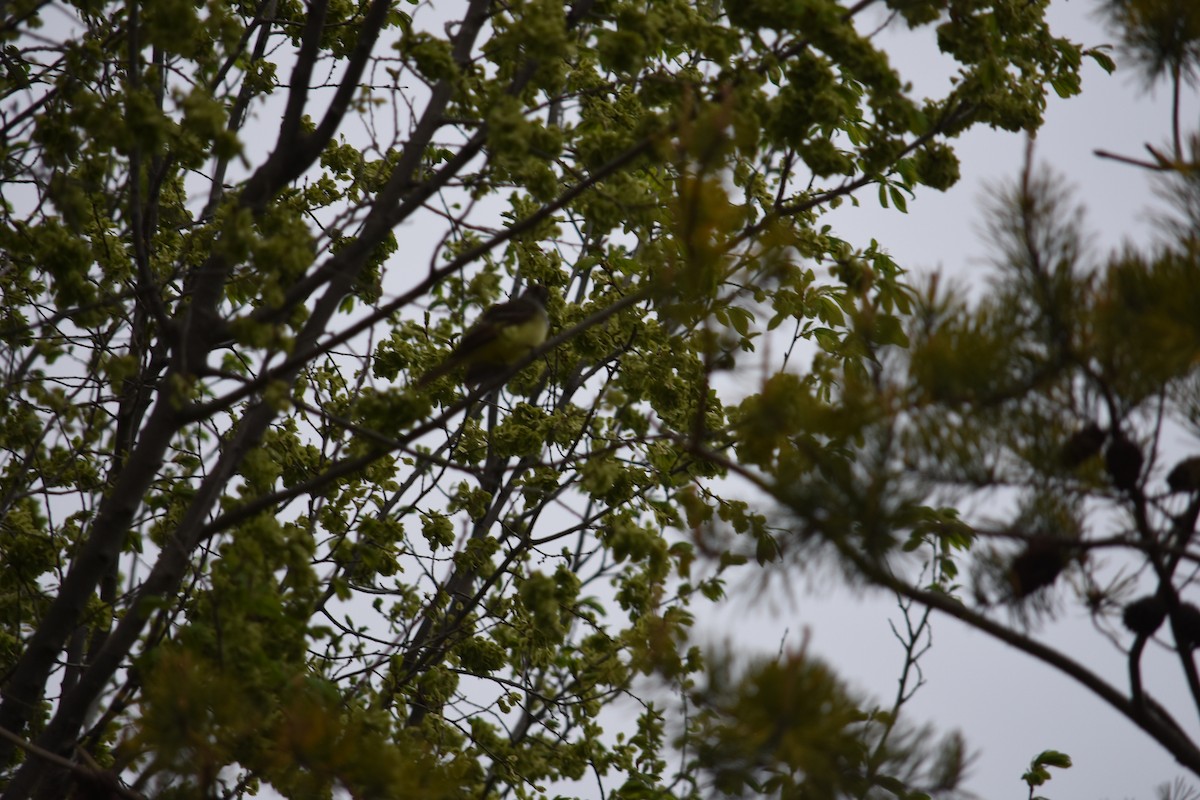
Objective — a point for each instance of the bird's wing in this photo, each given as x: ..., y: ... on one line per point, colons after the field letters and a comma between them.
x: 495, y: 319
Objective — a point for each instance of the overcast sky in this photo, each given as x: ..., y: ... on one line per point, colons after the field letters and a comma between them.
x: 1009, y: 706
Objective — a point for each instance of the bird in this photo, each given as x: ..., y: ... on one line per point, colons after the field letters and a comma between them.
x: 503, y: 335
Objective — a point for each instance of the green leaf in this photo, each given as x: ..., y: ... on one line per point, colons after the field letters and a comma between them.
x: 1100, y: 55
x: 1053, y: 758
x: 889, y: 329
x: 1037, y: 773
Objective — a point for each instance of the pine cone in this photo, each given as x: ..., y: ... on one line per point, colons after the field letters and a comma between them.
x: 1188, y: 619
x: 1185, y: 477
x: 1037, y: 566
x: 1082, y: 445
x: 1144, y: 615
x: 1123, y: 459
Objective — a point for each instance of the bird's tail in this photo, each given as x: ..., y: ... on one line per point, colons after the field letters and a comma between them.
x: 479, y: 374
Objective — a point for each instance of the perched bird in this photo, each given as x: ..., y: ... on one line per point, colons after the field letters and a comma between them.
x: 503, y: 335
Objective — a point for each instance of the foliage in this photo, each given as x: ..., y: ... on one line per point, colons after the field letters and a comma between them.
x: 233, y: 234
x: 1038, y: 774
